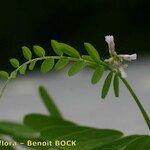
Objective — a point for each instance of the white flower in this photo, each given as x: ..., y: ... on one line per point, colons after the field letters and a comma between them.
x: 117, y: 60
x: 129, y: 57
x: 110, y: 41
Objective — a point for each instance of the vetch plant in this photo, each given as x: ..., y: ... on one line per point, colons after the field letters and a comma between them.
x: 64, y: 54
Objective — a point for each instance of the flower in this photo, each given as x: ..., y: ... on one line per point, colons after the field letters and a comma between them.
x: 110, y: 41
x: 129, y: 57
x: 117, y: 60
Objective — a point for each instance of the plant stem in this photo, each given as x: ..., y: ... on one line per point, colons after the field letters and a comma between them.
x: 3, y: 87
x: 145, y: 115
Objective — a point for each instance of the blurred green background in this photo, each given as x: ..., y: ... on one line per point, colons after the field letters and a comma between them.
x: 29, y: 22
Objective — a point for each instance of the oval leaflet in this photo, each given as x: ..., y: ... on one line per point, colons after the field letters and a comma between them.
x: 47, y: 65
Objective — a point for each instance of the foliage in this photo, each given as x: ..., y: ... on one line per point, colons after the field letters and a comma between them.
x: 39, y: 127
x: 65, y: 54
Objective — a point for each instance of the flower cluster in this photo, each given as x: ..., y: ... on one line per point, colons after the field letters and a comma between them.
x: 117, y: 60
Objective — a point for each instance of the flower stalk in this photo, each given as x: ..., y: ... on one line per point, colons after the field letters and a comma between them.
x: 145, y: 115
x: 117, y: 62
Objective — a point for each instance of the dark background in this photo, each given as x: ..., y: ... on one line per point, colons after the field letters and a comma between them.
x: 29, y: 22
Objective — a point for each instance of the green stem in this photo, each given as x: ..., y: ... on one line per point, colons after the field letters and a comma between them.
x: 137, y: 102
x: 53, y: 57
x: 3, y: 87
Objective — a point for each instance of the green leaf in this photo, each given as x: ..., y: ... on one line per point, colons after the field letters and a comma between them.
x: 56, y: 47
x: 97, y: 74
x: 13, y: 74
x: 86, y: 138
x: 16, y: 129
x: 59, y: 131
x: 142, y: 143
x: 69, y: 50
x: 39, y: 51
x: 61, y: 63
x: 77, y: 67
x: 87, y: 57
x: 4, y: 74
x: 20, y: 133
x: 47, y: 65
x: 134, y: 142
x: 49, y: 103
x: 14, y: 62
x: 92, y: 51
x: 119, y: 144
x: 32, y: 65
x: 90, y: 62
x: 23, y: 68
x: 38, y: 122
x: 26, y: 52
x: 106, y: 85
x: 116, y: 85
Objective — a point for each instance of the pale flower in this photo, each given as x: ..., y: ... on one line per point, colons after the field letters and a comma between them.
x: 110, y: 41
x: 129, y: 57
x: 117, y: 60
